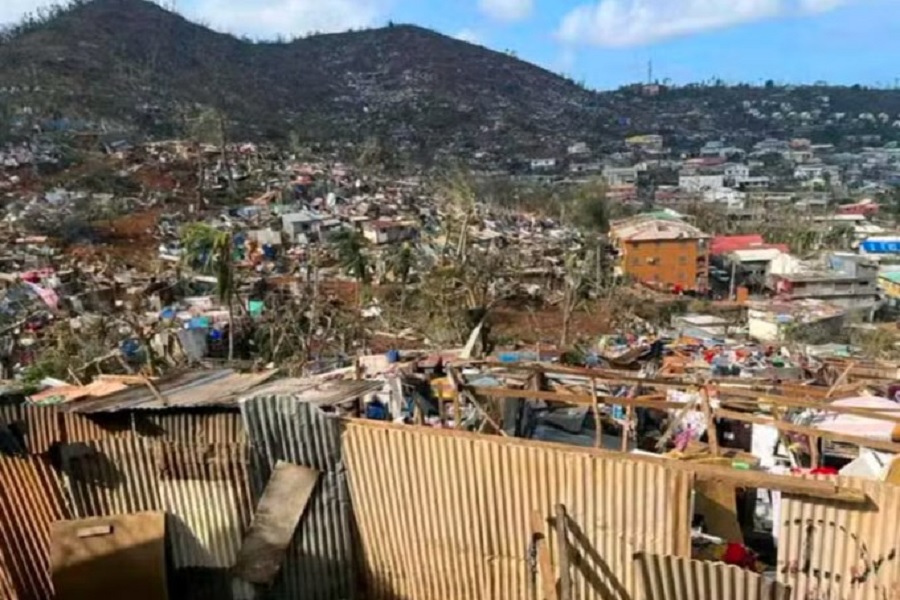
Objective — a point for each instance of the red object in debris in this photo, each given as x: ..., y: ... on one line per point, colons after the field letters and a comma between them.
x: 739, y: 556
x: 824, y: 471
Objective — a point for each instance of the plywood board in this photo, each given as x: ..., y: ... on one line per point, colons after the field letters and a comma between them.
x: 110, y: 557
x: 282, y: 504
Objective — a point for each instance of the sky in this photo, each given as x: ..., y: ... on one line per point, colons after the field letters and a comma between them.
x: 609, y: 43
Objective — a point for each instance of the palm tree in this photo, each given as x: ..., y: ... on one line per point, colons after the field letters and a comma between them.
x: 400, y: 262
x: 350, y: 247
x: 211, y: 251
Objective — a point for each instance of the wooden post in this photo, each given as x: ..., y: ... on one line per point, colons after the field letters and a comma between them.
x: 562, y: 545
x: 456, y: 391
x: 711, y: 429
x: 544, y: 563
x: 598, y: 442
x: 814, y: 456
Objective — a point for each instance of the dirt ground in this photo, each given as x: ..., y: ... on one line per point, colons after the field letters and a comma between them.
x: 130, y: 239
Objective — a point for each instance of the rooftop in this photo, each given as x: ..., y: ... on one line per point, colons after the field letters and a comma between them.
x: 656, y: 229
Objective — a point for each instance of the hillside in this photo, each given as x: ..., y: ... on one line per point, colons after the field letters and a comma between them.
x: 132, y: 64
x: 131, y: 61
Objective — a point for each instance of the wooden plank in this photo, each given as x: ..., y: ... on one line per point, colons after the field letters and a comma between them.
x: 576, y: 399
x: 711, y: 429
x: 810, y: 431
x: 280, y: 509
x: 544, y: 563
x: 756, y: 400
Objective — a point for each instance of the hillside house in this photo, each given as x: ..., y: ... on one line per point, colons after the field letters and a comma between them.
x: 543, y: 164
x: 301, y: 225
x: 701, y: 183
x: 618, y: 176
x: 389, y: 232
x: 664, y: 252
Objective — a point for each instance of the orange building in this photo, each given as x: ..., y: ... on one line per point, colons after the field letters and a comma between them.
x: 665, y: 252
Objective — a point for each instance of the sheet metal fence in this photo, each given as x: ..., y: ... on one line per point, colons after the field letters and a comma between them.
x: 447, y: 515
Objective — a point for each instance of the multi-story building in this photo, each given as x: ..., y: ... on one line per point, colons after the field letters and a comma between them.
x: 848, y: 280
x: 664, y: 252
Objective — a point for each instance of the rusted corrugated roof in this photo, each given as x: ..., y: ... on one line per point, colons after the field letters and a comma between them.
x: 80, y: 428
x: 112, y: 477
x: 194, y: 389
x: 320, y: 561
x: 30, y: 500
x: 319, y: 392
x: 224, y: 426
x: 467, y: 503
x: 671, y: 578
x: 830, y: 550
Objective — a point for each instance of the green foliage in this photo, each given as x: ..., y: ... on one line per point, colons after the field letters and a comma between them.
x: 210, y: 251
x: 350, y: 246
x: 591, y: 209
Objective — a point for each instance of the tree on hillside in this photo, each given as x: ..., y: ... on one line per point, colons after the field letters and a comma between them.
x: 350, y: 247
x: 590, y: 209
x: 211, y: 251
x: 579, y: 268
x: 210, y: 126
x: 401, y: 260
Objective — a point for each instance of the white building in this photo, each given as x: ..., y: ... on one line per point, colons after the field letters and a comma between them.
x: 616, y: 176
x: 735, y: 171
x: 729, y: 198
x: 701, y: 183
x: 540, y: 164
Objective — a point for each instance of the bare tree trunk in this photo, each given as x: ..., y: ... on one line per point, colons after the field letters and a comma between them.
x: 231, y: 328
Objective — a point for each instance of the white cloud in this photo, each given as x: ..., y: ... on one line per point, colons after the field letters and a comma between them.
x: 507, y: 10
x: 623, y: 23
x: 268, y: 18
x: 468, y: 35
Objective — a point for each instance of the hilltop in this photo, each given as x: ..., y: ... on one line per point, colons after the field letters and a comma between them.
x: 131, y: 61
x: 132, y: 64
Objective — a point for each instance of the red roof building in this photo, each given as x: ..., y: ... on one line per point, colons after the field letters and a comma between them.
x: 725, y: 244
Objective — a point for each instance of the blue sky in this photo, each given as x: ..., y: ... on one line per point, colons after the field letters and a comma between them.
x: 607, y: 43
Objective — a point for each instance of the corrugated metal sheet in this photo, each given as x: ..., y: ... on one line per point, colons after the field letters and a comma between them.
x: 111, y: 477
x: 13, y: 428
x: 447, y: 515
x: 43, y: 427
x: 320, y: 560
x: 206, y: 490
x: 7, y: 591
x: 95, y: 428
x: 194, y: 389
x: 829, y: 551
x: 33, y: 429
x: 221, y: 427
x: 672, y: 578
x: 30, y: 500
